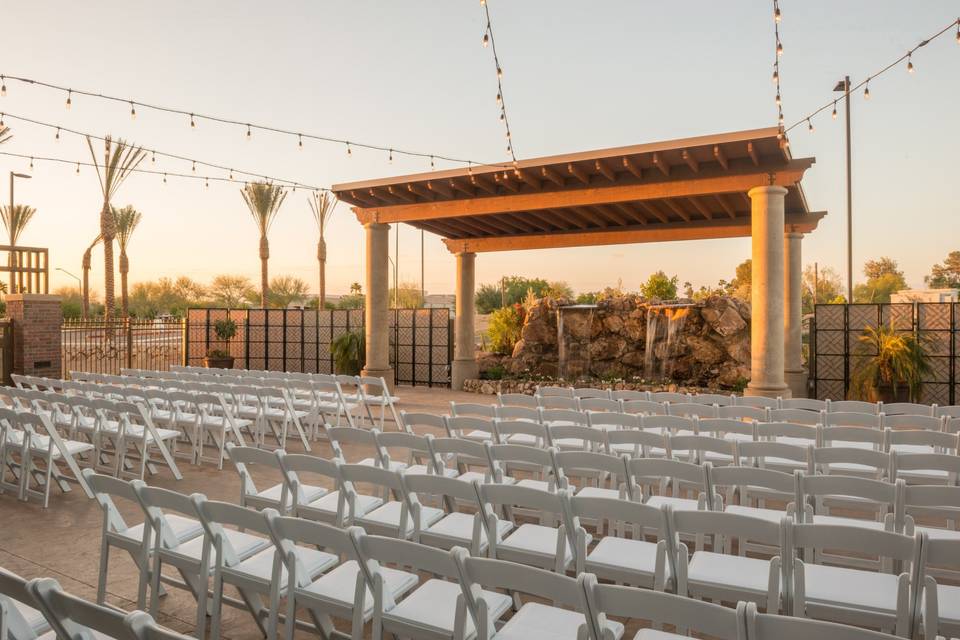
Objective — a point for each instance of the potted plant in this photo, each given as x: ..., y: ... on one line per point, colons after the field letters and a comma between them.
x: 891, y: 365
x: 220, y: 358
x: 349, y: 353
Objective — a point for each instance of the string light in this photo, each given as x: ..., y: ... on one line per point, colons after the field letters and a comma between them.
x: 809, y: 125
x: 776, y: 75
x: 153, y: 156
x: 486, y: 40
x: 778, y: 99
x: 779, y: 49
x: 431, y: 163
x: 958, y: 30
x: 78, y: 168
x: 488, y: 35
x: 299, y: 141
x: 57, y: 136
x: 193, y: 167
x: 231, y: 174
x: 865, y: 84
x: 31, y: 163
x: 194, y: 118
x: 776, y: 14
x: 349, y: 151
x: 1, y: 119
x: 3, y: 86
x: 164, y: 178
x: 248, y: 132
x: 206, y: 183
x: 133, y: 111
x: 390, y: 157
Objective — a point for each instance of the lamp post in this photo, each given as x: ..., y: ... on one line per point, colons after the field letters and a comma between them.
x: 12, y: 256
x: 75, y: 277
x: 844, y: 86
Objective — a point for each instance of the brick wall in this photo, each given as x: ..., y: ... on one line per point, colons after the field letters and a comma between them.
x: 36, y: 333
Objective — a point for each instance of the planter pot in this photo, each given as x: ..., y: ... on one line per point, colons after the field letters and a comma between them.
x: 218, y: 362
x: 888, y: 395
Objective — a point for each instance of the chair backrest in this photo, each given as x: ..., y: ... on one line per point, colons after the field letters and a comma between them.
x: 691, y: 410
x: 807, y: 404
x: 459, y: 426
x: 720, y: 427
x: 505, y: 454
x: 243, y: 456
x: 559, y: 402
x: 416, y: 422
x: 853, y: 406
x: 669, y: 396
x: 870, y: 542
x: 517, y: 400
x: 793, y: 430
x: 693, y: 447
x: 437, y: 485
x: 564, y: 392
x: 591, y: 392
x: 824, y: 457
x: 508, y: 495
x: 642, y: 441
x: 590, y: 439
x: 795, y: 416
x: 851, y: 419
x: 563, y: 416
x: 215, y: 514
x: 713, y: 620
x: 365, y: 474
x: 718, y: 399
x: 294, y: 465
x: 757, y: 453
x: 15, y: 589
x: 599, y: 404
x: 630, y: 512
x: 907, y: 408
x: 669, y: 424
x: 607, y: 420
x: 393, y: 442
x: 574, y: 463
x: 374, y: 551
x: 770, y: 626
x: 883, y: 494
x: 105, y: 489
x: 724, y: 525
x: 530, y: 414
x: 915, y: 422
x: 507, y: 428
x: 73, y: 617
x: 629, y: 394
x: 759, y: 402
x: 644, y: 407
x: 649, y: 470
x: 156, y: 502
x: 734, y: 477
x: 949, y: 411
x: 340, y: 436
x: 288, y: 532
x: 737, y: 412
x: 472, y: 409
x: 829, y: 435
x: 936, y: 501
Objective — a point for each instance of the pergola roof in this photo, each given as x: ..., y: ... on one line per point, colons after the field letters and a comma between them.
x: 694, y: 188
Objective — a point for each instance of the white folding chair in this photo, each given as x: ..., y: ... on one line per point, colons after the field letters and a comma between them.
x: 907, y: 409
x: 938, y: 604
x: 374, y: 392
x: 746, y: 491
x: 529, y: 414
x: 406, y: 451
x: 525, y: 432
x: 645, y: 473
x: 600, y: 405
x: 464, y: 454
x: 20, y: 617
x: 455, y: 527
x: 796, y: 416
x: 805, y: 404
x: 245, y: 458
x: 312, y: 501
x: 471, y: 428
x: 691, y: 410
x: 607, y: 421
x: 586, y: 393
x: 924, y: 457
x: 363, y: 439
x: 517, y: 400
x: 644, y: 407
x: 669, y: 396
x: 554, y: 392
x: 559, y: 402
x: 769, y: 626
x: 628, y: 394
x: 422, y: 423
x: 748, y: 414
x: 507, y: 459
x: 475, y: 409
x: 43, y: 443
x: 853, y: 406
x: 637, y: 443
x: 757, y: 401
x: 395, y: 516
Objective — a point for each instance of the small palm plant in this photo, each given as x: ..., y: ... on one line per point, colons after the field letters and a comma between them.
x: 15, y: 219
x: 264, y: 200
x: 349, y: 353
x: 125, y: 220
x: 889, y: 361
x: 119, y: 161
x: 322, y: 205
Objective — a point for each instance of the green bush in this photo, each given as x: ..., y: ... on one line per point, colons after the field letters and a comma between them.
x: 349, y: 353
x: 504, y: 329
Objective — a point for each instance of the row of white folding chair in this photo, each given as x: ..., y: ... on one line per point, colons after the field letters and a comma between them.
x: 108, y: 418
x: 30, y: 609
x: 360, y: 391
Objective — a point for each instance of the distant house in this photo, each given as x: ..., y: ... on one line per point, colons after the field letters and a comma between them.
x: 925, y: 295
x: 440, y: 301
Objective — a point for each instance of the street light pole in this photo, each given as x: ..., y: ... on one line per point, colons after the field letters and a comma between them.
x: 844, y: 85
x: 11, y: 256
x: 74, y: 276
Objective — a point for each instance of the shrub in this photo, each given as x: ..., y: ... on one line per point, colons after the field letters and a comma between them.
x: 504, y: 329
x: 349, y: 353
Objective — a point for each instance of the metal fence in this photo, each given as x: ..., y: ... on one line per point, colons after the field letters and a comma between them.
x: 6, y: 351
x: 835, y: 351
x: 299, y: 340
x: 106, y: 346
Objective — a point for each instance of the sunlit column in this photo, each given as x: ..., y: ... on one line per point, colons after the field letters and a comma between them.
x: 464, y: 354
x: 795, y: 376
x: 377, y: 308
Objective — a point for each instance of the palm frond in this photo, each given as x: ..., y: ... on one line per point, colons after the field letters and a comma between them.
x: 126, y: 221
x: 16, y: 219
x: 263, y: 200
x: 322, y: 206
x: 5, y: 134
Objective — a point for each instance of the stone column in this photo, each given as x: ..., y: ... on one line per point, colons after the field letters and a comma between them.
x: 794, y: 374
x: 36, y: 320
x: 377, y: 308
x: 766, y: 295
x: 464, y: 346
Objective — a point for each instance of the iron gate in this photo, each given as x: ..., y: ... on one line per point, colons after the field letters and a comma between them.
x: 106, y: 346
x: 835, y: 353
x: 299, y: 340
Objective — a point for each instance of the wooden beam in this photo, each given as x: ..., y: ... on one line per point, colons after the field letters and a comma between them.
x: 752, y: 152
x: 720, y: 156
x: 595, y: 218
x: 788, y: 175
x: 630, y: 166
x: 614, y: 214
x: 604, y: 170
x: 421, y: 191
x: 437, y: 186
x: 690, y: 160
x: 462, y: 188
x: 648, y: 207
x: 544, y: 217
x: 529, y: 179
x: 578, y: 173
x: 504, y: 179
x: 570, y: 217
x: 401, y: 194
x: 630, y: 212
x: 702, y: 208
x: 730, y: 211
x: 484, y: 183
x: 661, y: 164
x: 552, y: 176
x: 677, y: 209
x: 675, y: 231
x: 364, y: 198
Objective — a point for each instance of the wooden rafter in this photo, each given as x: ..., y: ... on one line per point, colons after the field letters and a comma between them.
x: 364, y: 198
x: 702, y: 208
x: 752, y: 152
x: 720, y: 156
x: 630, y: 212
x: 545, y: 218
x: 604, y: 170
x: 459, y: 185
x: 437, y: 186
x: 526, y: 177
x: 552, y: 176
x: 402, y: 194
x: 653, y: 211
x: 595, y: 218
x: 484, y: 183
x: 420, y: 190
x: 630, y: 166
x: 690, y: 160
x: 730, y: 211
x: 677, y: 209
x: 659, y: 162
x: 569, y: 216
x: 578, y: 173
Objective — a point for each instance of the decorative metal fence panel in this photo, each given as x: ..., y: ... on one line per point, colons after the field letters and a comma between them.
x: 6, y: 351
x: 298, y: 340
x: 106, y: 346
x: 837, y: 351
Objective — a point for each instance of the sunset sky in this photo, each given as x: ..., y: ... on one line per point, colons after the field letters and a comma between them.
x: 577, y: 76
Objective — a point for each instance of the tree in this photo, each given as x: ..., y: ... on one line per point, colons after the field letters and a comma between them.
x: 946, y: 275
x: 231, y: 291
x: 874, y: 269
x: 884, y: 277
x: 85, y: 266
x: 166, y: 296
x: 285, y: 290
x: 322, y: 205
x: 558, y: 289
x: 125, y: 220
x: 828, y: 285
x: 15, y: 219
x: 356, y: 288
x: 509, y: 290
x: 119, y: 161
x: 263, y: 200
x: 659, y: 286
x: 406, y: 296
x: 71, y: 302
x: 740, y: 286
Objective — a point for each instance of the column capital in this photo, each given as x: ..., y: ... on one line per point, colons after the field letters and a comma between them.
x: 465, y: 254
x: 768, y: 189
x: 794, y: 235
x: 375, y: 226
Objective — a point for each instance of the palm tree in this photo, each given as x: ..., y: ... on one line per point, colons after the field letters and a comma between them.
x: 264, y: 200
x: 118, y: 162
x: 322, y: 205
x: 15, y: 219
x: 85, y: 266
x: 125, y: 220
x: 5, y: 134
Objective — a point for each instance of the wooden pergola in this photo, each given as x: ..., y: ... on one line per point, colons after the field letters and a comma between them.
x: 691, y: 189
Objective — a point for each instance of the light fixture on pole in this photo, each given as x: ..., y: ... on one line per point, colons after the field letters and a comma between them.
x: 74, y: 276
x: 844, y: 86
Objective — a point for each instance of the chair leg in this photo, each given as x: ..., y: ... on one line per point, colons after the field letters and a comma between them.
x: 104, y: 563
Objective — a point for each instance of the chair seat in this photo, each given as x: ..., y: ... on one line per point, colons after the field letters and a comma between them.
x: 259, y: 567
x: 457, y: 528
x: 378, y: 400
x: 523, y: 438
x: 678, y: 504
x: 849, y: 522
x: 395, y: 465
x: 851, y: 588
x: 40, y: 444
x: 479, y: 476
x: 434, y: 605
x: 387, y: 517
x: 478, y: 435
x: 656, y: 634
x: 625, y: 560
x: 244, y: 545
x: 221, y: 422
x: 535, y: 621
x: 935, y: 533
x: 183, y: 529
x: 31, y: 616
x: 339, y: 585
x: 540, y: 485
x: 598, y: 492
x: 330, y: 502
x: 570, y: 444
x: 729, y: 573
x: 948, y: 604
x: 534, y: 540
x: 137, y: 431
x: 274, y: 493
x: 773, y: 515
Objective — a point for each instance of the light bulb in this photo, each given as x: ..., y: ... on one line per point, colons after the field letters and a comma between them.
x: 486, y: 40
x: 231, y: 174
x: 776, y: 14
x: 206, y: 182
x: 57, y: 136
x: 499, y: 99
x: 834, y: 114
x: 431, y: 163
x: 78, y: 168
x: 193, y: 124
x: 248, y: 132
x: 958, y: 30
x: 780, y: 119
x: 164, y: 178
x: 31, y: 163
x: 69, y: 98
x: 777, y: 99
x: 3, y: 86
x: 390, y: 157
x: 300, y: 141
x: 809, y: 125
x: 153, y: 156
x: 133, y: 112
x: 779, y: 49
x: 866, y: 92
x: 910, y: 68
x: 499, y: 72
x: 776, y: 76
x: 349, y: 151
x: 483, y: 2
x: 503, y: 116
x: 193, y: 167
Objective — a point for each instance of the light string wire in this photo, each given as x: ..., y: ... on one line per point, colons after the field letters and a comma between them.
x: 195, y: 116
x: 154, y: 152
x: 501, y: 102
x: 865, y: 83
x: 776, y: 64
x: 156, y: 172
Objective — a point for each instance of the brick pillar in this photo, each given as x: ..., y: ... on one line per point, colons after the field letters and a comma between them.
x: 36, y: 333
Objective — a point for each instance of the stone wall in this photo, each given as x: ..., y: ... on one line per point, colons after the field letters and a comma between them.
x: 702, y: 344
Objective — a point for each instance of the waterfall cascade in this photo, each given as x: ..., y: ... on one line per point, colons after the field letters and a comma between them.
x: 664, y: 324
x: 574, y: 334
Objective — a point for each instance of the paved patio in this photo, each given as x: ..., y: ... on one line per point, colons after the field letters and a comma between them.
x: 63, y: 541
